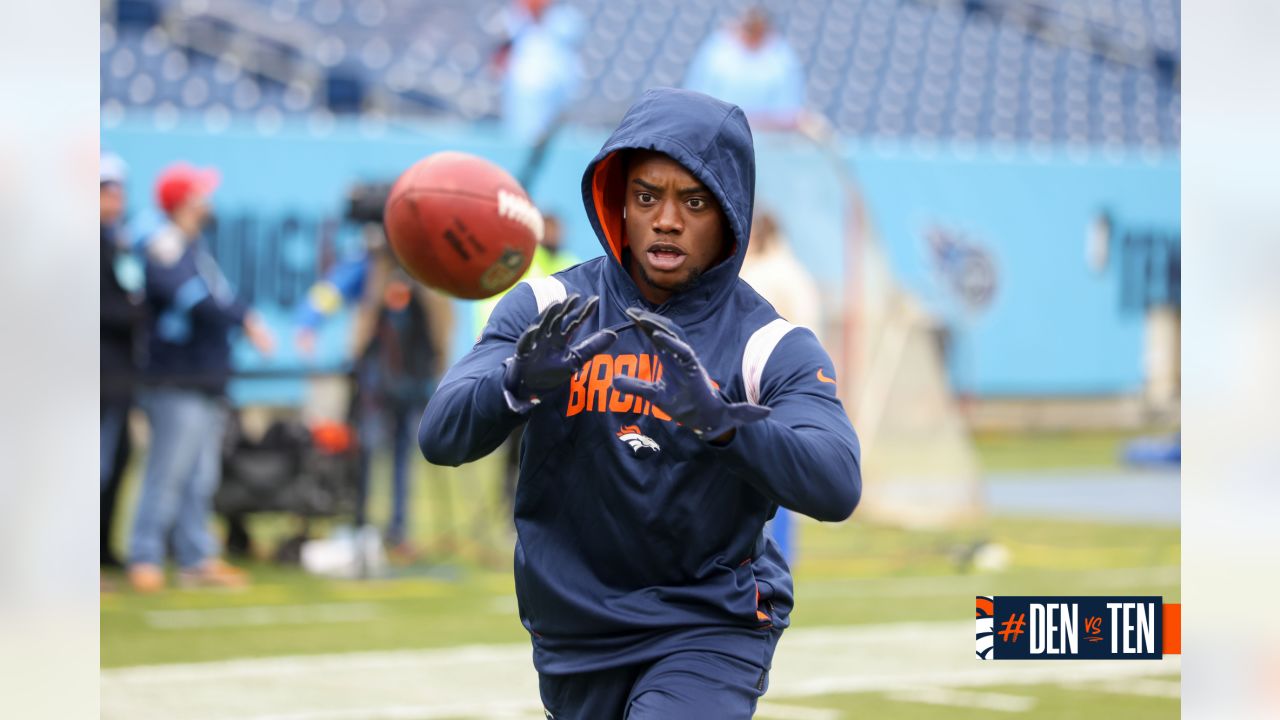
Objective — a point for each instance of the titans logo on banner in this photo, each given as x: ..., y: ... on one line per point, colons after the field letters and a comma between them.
x: 1074, y: 628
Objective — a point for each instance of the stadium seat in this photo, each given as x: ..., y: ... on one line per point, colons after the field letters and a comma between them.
x: 969, y: 70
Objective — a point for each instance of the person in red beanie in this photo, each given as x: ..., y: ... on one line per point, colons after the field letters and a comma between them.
x: 192, y: 314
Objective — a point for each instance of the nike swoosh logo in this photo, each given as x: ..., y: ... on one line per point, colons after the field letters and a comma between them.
x: 824, y: 378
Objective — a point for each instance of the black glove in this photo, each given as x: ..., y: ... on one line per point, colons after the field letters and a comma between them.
x: 543, y: 360
x: 685, y: 391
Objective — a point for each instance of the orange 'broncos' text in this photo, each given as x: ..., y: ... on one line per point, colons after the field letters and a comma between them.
x: 591, y: 389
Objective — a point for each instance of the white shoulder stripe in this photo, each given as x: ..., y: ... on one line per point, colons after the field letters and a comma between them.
x: 546, y: 290
x: 756, y: 355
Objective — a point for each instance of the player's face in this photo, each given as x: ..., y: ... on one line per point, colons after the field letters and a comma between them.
x: 674, y: 226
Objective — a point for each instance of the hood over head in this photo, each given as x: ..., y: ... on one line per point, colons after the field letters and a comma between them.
x: 709, y: 137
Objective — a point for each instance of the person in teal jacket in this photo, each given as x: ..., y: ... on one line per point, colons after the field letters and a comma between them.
x: 400, y: 340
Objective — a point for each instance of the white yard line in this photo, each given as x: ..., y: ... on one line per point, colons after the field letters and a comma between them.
x: 284, y: 667
x: 260, y: 615
x: 1002, y: 702
x: 476, y: 709
x: 504, y: 605
x: 1082, y: 583
x: 488, y: 681
x: 908, y: 656
x: 773, y: 711
x: 1151, y: 687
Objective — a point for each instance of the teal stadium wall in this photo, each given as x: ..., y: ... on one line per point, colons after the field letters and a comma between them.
x: 1054, y: 326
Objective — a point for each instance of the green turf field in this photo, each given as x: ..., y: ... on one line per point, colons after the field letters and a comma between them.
x: 1043, y: 702
x: 848, y: 574
x: 1054, y: 450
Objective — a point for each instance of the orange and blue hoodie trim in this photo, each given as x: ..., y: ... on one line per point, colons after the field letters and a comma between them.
x: 635, y: 537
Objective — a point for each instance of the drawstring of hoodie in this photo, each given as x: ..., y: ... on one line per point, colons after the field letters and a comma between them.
x: 630, y: 325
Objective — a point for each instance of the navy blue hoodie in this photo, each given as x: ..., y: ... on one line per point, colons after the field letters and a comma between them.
x: 192, y: 312
x: 635, y: 537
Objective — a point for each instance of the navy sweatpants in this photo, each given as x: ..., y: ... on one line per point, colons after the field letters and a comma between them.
x: 685, y: 685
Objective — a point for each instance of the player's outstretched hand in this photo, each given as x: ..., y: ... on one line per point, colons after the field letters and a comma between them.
x: 544, y: 360
x: 685, y: 391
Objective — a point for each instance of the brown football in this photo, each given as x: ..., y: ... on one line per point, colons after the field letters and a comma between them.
x: 462, y: 225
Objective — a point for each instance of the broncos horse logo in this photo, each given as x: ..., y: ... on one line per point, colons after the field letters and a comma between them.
x: 642, y: 445
x: 985, y: 611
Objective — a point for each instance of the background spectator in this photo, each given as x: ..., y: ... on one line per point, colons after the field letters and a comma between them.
x: 774, y: 271
x: 751, y: 66
x: 192, y: 313
x: 540, y: 65
x: 121, y: 313
x: 400, y: 341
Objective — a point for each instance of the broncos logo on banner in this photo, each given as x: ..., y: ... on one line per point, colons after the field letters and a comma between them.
x: 986, y: 626
x: 642, y: 445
